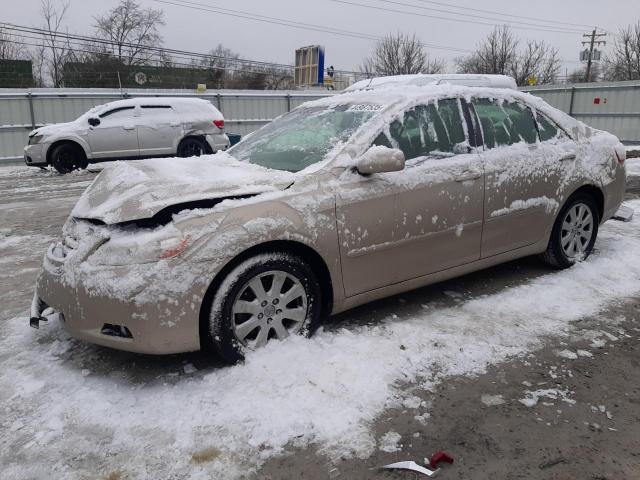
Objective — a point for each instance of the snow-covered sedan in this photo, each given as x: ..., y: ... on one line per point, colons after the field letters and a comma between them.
x: 129, y: 129
x: 345, y: 200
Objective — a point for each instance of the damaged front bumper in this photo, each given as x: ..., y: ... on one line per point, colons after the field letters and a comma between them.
x: 41, y: 312
x: 149, y: 320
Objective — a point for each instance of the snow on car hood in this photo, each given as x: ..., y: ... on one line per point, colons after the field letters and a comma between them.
x: 136, y: 190
x: 54, y: 128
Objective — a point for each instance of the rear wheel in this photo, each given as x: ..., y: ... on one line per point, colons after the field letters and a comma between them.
x: 68, y: 157
x: 264, y: 299
x: 574, y: 232
x: 191, y: 147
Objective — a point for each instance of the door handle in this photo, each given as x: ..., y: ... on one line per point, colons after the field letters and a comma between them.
x: 128, y: 127
x: 568, y: 156
x: 468, y: 176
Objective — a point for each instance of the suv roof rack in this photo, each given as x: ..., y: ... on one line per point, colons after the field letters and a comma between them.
x: 420, y: 80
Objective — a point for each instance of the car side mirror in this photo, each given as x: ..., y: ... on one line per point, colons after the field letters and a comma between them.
x: 380, y: 159
x: 94, y: 122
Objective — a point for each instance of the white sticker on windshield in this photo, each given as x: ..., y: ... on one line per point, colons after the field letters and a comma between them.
x: 364, y: 107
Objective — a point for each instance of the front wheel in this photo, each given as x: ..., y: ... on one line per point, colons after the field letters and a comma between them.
x: 264, y: 299
x: 574, y: 232
x: 66, y: 158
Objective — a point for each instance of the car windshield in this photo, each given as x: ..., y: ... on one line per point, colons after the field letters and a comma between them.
x: 303, y: 137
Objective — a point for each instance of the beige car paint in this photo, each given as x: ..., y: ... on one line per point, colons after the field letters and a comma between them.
x: 377, y: 235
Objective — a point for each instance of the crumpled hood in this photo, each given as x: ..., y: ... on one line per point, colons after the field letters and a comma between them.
x: 136, y: 190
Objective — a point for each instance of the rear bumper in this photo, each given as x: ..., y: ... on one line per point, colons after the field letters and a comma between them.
x: 218, y: 141
x: 164, y: 325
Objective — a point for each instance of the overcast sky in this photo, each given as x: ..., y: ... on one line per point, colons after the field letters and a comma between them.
x: 199, y: 31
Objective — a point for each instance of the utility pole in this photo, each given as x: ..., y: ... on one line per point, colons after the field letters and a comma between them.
x: 592, y: 42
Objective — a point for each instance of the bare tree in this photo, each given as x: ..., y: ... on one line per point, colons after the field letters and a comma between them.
x: 55, y: 41
x: 579, y: 75
x: 131, y: 31
x: 278, y: 78
x: 538, y: 62
x: 400, y: 54
x: 494, y: 55
x: 10, y: 49
x: 38, y: 65
x: 623, y: 62
x: 499, y: 53
x: 220, y: 62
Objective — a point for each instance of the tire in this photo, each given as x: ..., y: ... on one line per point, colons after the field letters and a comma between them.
x: 67, y: 157
x: 192, y: 147
x: 574, y: 232
x: 242, y: 318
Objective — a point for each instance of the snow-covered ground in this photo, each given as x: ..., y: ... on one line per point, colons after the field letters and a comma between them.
x: 71, y: 411
x: 633, y: 167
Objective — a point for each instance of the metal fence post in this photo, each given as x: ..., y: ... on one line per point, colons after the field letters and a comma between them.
x: 31, y: 112
x: 573, y: 94
x: 219, y: 100
x: 288, y: 102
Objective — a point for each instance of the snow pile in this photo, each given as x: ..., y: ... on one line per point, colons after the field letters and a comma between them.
x: 327, y: 390
x: 633, y: 167
x: 389, y: 442
x: 532, y: 398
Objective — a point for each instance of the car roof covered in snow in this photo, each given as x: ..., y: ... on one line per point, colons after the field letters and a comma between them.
x: 183, y: 104
x: 420, y: 80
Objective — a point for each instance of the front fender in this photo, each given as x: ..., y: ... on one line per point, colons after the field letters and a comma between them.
x: 78, y: 139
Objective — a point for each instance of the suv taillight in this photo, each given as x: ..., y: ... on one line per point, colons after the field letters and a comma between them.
x: 219, y: 124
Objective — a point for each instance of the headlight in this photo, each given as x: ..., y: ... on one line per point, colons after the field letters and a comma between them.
x: 141, y: 248
x: 35, y: 139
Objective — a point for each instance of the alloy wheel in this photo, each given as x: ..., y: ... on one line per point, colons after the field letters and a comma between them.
x: 271, y: 305
x: 577, y: 231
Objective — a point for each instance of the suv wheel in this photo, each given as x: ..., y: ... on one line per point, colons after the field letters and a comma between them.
x: 264, y: 299
x: 574, y: 232
x: 191, y: 147
x: 67, y: 157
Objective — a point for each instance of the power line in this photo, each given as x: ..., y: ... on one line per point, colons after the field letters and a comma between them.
x: 291, y: 23
x: 60, y: 44
x: 461, y: 20
x: 493, y: 12
x: 149, y: 49
x: 502, y: 21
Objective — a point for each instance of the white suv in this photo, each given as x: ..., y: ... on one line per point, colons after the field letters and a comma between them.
x: 129, y: 129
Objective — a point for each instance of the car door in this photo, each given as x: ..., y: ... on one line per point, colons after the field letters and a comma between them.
x: 522, y: 177
x: 402, y: 225
x: 158, y: 129
x: 116, y: 136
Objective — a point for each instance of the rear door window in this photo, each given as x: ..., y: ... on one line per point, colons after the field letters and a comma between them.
x: 426, y: 130
x: 505, y: 123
